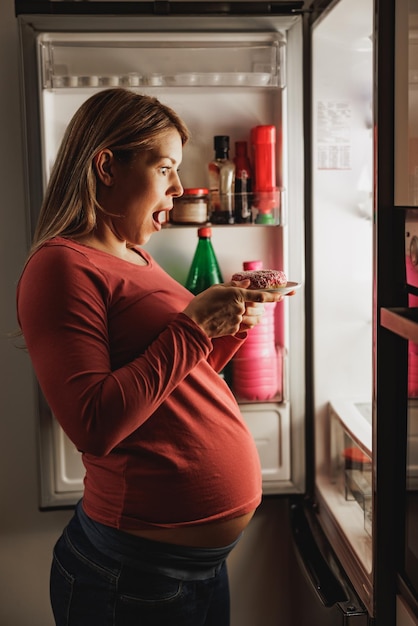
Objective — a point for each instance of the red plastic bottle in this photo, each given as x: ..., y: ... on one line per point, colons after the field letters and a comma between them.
x: 263, y: 140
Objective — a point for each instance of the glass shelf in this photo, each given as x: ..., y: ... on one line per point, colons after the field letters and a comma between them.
x: 265, y: 208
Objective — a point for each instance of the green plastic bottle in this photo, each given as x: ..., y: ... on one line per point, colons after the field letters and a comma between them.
x: 204, y: 270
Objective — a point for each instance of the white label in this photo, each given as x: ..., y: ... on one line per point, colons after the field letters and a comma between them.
x: 334, y: 135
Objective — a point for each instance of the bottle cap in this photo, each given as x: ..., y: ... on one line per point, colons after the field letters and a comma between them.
x: 196, y: 191
x: 252, y: 265
x: 264, y: 218
x: 241, y: 148
x: 263, y: 134
x: 206, y: 231
x: 221, y: 142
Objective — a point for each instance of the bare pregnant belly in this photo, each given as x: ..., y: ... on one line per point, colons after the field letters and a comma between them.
x: 212, y: 535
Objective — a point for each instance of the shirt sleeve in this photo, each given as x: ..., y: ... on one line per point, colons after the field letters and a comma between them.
x: 62, y: 310
x: 224, y: 348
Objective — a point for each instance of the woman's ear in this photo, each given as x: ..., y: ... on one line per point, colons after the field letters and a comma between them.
x: 103, y: 166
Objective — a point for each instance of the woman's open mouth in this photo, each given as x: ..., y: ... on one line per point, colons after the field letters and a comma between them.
x: 161, y: 216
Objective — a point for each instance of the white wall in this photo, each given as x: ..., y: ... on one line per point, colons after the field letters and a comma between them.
x: 258, y: 568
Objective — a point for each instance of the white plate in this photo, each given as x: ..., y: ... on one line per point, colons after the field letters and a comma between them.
x: 284, y: 289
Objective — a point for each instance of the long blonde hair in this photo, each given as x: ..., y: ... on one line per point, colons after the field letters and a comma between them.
x: 118, y: 119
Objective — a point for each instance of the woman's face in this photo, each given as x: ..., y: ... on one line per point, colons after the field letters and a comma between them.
x: 137, y: 195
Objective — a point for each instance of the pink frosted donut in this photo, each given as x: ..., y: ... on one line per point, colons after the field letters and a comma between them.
x: 262, y: 279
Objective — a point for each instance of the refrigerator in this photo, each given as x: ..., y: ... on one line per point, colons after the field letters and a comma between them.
x: 337, y: 441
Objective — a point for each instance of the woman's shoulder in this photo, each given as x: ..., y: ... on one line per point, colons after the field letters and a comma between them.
x: 62, y: 246
x: 59, y: 247
x: 66, y: 260
x: 102, y: 259
x: 60, y: 259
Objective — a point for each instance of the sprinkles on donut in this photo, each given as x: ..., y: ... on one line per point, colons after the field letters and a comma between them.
x: 262, y: 279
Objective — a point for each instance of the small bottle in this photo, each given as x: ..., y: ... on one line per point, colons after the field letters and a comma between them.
x: 221, y: 183
x: 243, y: 184
x: 255, y: 367
x: 204, y: 270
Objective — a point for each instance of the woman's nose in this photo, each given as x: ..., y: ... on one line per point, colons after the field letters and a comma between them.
x: 177, y: 187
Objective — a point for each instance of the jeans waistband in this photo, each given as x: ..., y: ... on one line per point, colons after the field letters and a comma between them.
x: 180, y: 562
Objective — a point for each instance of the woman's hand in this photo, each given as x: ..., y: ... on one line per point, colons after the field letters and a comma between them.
x: 229, y: 308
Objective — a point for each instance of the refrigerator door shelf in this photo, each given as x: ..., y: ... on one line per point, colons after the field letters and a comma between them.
x: 267, y: 208
x: 136, y: 60
x: 350, y: 465
x: 355, y: 415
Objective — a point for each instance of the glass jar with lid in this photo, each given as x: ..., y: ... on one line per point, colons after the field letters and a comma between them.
x: 191, y: 207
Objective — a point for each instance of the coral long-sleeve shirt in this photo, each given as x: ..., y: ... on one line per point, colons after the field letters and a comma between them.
x: 133, y: 382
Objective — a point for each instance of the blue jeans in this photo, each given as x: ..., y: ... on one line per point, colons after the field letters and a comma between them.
x: 90, y: 588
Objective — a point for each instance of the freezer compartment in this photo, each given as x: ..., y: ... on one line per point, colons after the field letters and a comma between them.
x: 71, y: 60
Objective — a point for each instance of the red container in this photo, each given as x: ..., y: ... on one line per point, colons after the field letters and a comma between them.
x: 266, y: 199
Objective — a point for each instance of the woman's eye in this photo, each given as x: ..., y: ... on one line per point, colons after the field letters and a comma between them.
x: 164, y: 170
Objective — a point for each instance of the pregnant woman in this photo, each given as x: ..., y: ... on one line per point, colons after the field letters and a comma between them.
x: 128, y: 361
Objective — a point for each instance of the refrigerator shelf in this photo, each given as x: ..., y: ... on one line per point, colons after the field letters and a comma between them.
x: 265, y: 208
x: 355, y: 418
